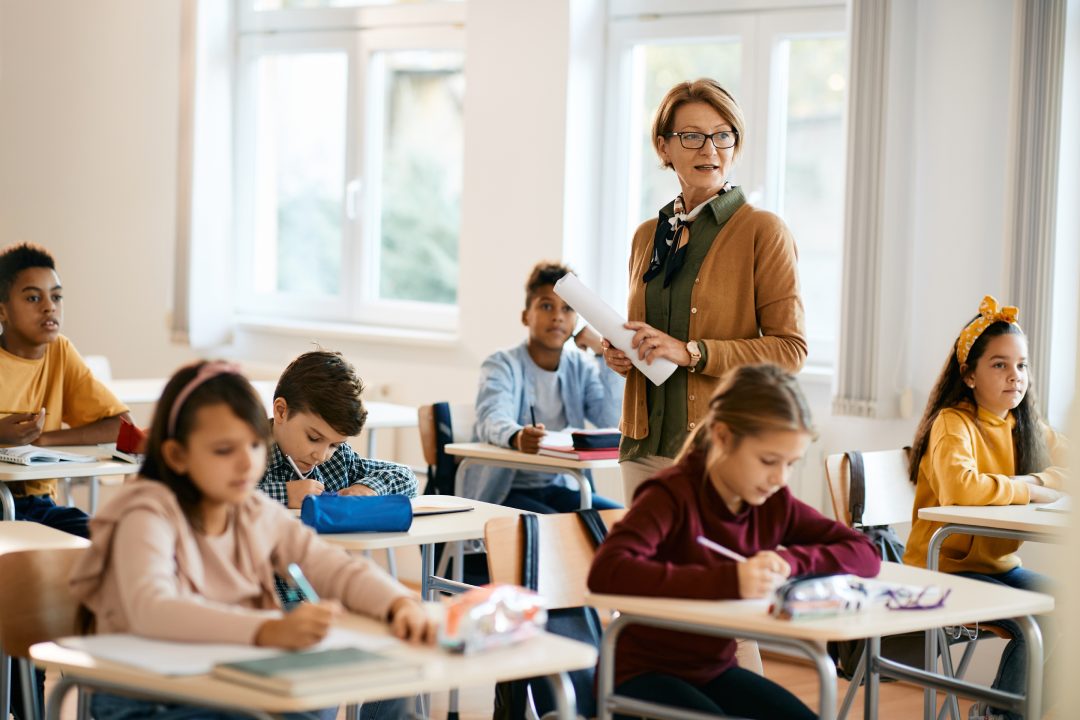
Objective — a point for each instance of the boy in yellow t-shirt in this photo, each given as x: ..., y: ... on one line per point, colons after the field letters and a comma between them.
x: 44, y: 382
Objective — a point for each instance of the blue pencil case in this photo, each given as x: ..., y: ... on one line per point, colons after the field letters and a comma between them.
x: 356, y: 513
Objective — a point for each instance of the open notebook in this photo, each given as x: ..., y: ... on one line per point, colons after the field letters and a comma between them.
x: 33, y: 455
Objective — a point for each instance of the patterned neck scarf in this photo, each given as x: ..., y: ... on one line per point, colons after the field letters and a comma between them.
x: 672, y: 237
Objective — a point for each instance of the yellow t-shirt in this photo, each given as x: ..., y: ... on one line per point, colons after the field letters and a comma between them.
x: 969, y: 461
x: 61, y: 383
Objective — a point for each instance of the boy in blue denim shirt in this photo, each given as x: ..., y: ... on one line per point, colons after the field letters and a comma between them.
x: 561, y: 386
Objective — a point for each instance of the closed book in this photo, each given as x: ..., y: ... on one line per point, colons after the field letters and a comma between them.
x: 33, y: 455
x: 596, y: 439
x: 569, y: 453
x: 307, y: 673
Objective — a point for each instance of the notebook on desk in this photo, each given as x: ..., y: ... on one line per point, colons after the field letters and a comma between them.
x: 33, y: 455
x: 436, y: 506
x: 304, y: 673
x: 1062, y: 505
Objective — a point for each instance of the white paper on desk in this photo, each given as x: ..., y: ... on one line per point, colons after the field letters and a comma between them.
x: 609, y: 323
x: 1063, y: 505
x: 180, y: 658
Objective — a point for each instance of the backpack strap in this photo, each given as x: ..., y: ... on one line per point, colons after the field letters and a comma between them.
x: 594, y: 525
x: 856, y: 486
x: 530, y: 552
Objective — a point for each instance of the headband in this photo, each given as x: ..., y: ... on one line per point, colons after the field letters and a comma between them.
x: 209, y: 370
x: 989, y: 313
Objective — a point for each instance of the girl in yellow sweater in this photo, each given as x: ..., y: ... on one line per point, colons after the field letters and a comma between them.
x: 981, y: 442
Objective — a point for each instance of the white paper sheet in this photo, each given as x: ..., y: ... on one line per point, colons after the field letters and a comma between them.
x: 1062, y: 505
x: 178, y: 658
x: 609, y: 323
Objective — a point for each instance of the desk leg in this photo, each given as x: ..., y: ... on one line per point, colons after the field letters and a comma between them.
x: 7, y: 501
x: 565, y: 700
x: 92, y: 503
x: 371, y: 443
x: 1033, y: 636
x: 584, y: 487
x: 427, y: 570
x: 870, y: 707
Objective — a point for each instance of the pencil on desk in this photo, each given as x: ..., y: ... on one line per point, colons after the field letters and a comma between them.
x: 720, y: 549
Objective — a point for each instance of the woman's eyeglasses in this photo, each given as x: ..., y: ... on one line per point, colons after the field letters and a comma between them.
x: 721, y: 140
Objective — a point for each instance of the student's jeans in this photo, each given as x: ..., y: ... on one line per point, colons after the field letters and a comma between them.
x: 42, y: 509
x: 552, y: 499
x: 115, y: 707
x: 1012, y: 668
x: 736, y: 693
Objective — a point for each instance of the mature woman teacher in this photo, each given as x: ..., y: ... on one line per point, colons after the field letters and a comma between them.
x: 713, y: 282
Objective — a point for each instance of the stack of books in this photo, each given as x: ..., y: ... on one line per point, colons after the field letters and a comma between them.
x: 306, y: 673
x: 599, y: 444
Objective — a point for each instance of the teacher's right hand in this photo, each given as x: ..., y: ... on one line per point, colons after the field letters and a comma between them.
x: 616, y: 359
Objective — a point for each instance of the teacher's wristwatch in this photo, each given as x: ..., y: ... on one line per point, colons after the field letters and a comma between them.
x: 695, y: 354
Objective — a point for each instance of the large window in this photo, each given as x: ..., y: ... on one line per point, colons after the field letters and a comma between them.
x: 788, y: 71
x: 348, y: 138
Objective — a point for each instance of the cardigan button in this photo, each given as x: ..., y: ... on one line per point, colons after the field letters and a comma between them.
x: 693, y: 310
x: 691, y: 397
x: 691, y: 426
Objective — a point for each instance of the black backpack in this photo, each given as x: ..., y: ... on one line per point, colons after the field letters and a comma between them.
x: 577, y: 623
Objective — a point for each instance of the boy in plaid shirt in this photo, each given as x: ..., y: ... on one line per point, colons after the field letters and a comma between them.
x: 317, y: 407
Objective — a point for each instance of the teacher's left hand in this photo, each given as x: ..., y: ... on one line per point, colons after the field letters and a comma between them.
x: 651, y: 344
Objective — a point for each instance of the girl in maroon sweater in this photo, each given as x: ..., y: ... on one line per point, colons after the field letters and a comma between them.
x: 729, y: 484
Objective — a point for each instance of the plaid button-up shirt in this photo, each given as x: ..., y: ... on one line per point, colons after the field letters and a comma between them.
x: 344, y: 469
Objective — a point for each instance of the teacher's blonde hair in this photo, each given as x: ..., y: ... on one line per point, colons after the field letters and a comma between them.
x: 751, y: 400
x: 704, y: 90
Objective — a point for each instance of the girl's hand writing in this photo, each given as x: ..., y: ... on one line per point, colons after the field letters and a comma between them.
x: 306, y: 625
x: 410, y: 621
x: 651, y: 344
x: 761, y: 574
x: 299, y: 489
x: 616, y: 359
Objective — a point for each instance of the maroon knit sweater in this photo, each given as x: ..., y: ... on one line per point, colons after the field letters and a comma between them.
x: 653, y: 552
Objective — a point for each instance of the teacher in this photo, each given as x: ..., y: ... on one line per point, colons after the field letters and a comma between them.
x: 713, y: 282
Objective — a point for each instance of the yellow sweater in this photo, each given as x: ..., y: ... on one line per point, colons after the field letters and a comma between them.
x: 969, y: 461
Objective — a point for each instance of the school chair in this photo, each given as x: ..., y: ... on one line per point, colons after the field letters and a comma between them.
x: 36, y: 608
x: 559, y: 559
x: 871, y: 490
x: 440, y: 424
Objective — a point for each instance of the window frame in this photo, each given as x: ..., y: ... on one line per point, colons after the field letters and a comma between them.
x: 362, y: 33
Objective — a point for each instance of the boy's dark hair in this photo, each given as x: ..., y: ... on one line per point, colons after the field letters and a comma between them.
x: 229, y: 388
x: 16, y: 258
x: 545, y: 273
x: 1029, y: 435
x: 324, y: 383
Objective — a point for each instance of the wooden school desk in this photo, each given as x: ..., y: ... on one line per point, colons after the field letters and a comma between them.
x: 381, y: 415
x: 487, y: 454
x: 545, y: 655
x: 1014, y: 522
x: 969, y: 601
x: 104, y: 466
x: 17, y: 536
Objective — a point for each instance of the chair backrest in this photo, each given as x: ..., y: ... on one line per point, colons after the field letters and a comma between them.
x: 890, y: 495
x: 35, y: 604
x: 565, y: 554
x: 442, y: 423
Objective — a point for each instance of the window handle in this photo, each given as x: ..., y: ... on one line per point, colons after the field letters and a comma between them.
x: 352, y: 192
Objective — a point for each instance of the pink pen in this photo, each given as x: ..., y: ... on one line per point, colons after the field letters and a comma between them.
x: 720, y: 549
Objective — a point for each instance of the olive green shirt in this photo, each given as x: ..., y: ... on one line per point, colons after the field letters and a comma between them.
x: 668, y: 309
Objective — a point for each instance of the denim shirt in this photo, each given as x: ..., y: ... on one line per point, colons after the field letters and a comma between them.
x: 590, y: 392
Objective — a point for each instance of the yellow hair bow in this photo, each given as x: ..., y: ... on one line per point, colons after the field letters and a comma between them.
x: 989, y: 313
